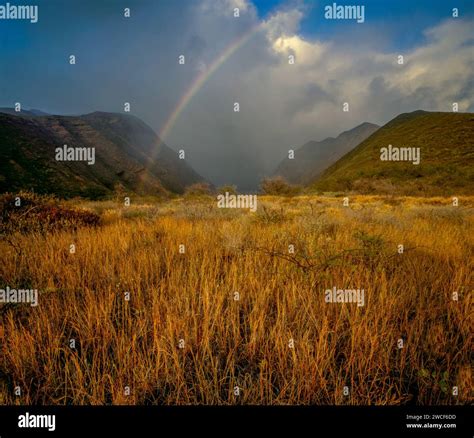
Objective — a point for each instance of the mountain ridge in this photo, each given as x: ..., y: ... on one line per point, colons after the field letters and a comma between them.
x: 445, y: 141
x: 128, y: 156
x: 312, y: 158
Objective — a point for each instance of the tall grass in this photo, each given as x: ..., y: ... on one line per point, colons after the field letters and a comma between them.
x: 244, y: 343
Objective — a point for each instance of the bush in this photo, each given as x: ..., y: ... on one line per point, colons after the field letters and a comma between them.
x: 279, y: 186
x: 40, y: 213
x: 228, y: 188
x: 198, y: 189
x: 269, y: 216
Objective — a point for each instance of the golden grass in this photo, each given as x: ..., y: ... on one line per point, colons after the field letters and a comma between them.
x: 244, y: 343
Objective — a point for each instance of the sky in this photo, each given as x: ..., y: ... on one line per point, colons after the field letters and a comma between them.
x: 243, y: 60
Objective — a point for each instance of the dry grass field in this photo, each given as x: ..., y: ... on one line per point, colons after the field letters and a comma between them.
x: 238, y: 318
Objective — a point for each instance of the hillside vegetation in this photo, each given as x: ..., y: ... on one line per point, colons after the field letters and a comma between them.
x: 129, y: 157
x: 446, y: 142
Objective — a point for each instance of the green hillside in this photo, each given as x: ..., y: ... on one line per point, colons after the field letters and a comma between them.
x: 446, y: 142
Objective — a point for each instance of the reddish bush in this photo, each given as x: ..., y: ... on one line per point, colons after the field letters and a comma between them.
x: 28, y: 212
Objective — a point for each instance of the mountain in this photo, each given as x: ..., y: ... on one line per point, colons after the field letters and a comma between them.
x: 129, y: 156
x: 314, y: 157
x: 23, y: 112
x: 37, y: 112
x: 446, y: 166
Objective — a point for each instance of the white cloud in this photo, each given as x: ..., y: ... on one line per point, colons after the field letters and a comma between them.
x: 283, y: 23
x: 225, y: 7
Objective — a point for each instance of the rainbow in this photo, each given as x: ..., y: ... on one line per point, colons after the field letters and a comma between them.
x: 196, y: 85
x: 203, y: 78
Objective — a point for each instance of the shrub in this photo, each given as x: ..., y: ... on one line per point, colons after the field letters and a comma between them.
x: 198, y: 189
x: 278, y: 186
x: 267, y: 215
x: 40, y: 213
x: 228, y: 188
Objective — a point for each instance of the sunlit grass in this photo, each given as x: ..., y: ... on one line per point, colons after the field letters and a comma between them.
x: 244, y: 343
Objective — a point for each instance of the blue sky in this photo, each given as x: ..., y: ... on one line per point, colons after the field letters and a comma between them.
x: 135, y: 60
x: 403, y: 20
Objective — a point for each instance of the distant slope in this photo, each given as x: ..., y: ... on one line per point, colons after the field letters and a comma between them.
x: 128, y: 154
x: 446, y: 142
x: 314, y: 157
x: 37, y: 112
x: 26, y: 113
